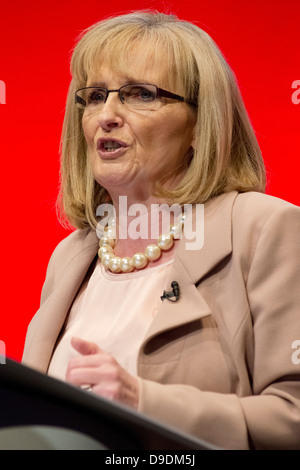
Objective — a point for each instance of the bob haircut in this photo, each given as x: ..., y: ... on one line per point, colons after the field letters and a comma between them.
x: 226, y: 155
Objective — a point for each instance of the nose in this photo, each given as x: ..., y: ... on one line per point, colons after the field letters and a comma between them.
x: 110, y: 115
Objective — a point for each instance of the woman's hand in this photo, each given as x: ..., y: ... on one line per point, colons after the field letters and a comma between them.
x: 103, y: 373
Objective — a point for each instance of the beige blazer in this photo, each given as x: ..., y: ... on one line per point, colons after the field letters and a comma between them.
x: 217, y: 364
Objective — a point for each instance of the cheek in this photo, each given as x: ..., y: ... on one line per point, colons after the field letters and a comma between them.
x: 157, y: 132
x: 89, y: 129
x: 177, y: 133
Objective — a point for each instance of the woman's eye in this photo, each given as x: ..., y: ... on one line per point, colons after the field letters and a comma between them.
x: 147, y: 95
x: 95, y: 96
x: 142, y: 94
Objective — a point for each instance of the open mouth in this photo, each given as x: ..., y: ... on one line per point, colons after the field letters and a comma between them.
x: 110, y: 145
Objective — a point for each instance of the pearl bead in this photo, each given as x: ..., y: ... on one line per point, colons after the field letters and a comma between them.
x: 139, y: 260
x: 126, y: 264
x: 114, y: 264
x: 153, y: 252
x: 110, y: 232
x: 165, y: 242
x: 181, y: 218
x: 105, y: 241
x: 104, y: 249
x: 105, y: 259
x: 176, y: 231
x: 111, y: 222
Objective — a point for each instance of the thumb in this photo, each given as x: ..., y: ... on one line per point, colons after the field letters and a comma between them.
x: 84, y: 347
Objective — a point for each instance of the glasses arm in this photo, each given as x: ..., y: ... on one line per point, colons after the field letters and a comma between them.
x: 79, y: 100
x: 168, y: 94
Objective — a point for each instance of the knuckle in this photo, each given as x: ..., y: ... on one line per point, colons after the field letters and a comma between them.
x: 109, y: 359
x: 115, y: 391
x: 71, y: 375
x: 114, y: 374
x: 73, y: 363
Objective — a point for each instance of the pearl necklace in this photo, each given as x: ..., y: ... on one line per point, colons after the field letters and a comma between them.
x: 139, y: 260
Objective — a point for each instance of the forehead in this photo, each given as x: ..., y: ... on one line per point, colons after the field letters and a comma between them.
x: 138, y: 64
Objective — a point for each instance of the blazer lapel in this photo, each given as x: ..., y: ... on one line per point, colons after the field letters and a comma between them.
x: 190, y: 266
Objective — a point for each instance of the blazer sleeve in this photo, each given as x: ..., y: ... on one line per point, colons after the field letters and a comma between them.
x: 270, y: 418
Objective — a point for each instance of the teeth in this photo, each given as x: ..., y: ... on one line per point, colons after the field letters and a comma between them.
x: 111, y: 145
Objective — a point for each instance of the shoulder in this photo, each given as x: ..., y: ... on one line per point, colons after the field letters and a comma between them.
x: 265, y: 225
x: 253, y: 204
x: 245, y: 215
x: 70, y: 247
x: 75, y: 242
x: 255, y: 212
x: 71, y: 252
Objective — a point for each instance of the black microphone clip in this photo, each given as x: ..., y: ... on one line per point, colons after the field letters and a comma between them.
x: 175, y: 292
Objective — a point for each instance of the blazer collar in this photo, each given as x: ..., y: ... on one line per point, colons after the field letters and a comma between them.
x: 217, y: 241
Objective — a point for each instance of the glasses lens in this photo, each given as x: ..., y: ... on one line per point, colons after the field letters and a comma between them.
x: 90, y: 97
x: 140, y: 96
x: 137, y: 96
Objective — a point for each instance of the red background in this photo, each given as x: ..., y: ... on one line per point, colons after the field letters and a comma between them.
x: 259, y: 40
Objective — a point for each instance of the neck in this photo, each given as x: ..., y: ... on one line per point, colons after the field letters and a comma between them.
x: 141, y: 224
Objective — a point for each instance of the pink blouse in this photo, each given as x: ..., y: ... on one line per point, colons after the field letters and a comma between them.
x: 114, y: 311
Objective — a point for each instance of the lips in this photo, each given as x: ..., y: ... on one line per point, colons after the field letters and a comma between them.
x: 110, y: 148
x: 110, y: 145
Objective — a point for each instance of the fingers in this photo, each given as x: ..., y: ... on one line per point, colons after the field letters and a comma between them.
x: 92, y: 369
x: 88, y: 367
x: 84, y: 347
x: 92, y: 366
x: 79, y: 376
x: 96, y: 368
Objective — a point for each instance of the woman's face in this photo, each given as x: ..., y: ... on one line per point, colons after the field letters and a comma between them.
x: 151, y: 144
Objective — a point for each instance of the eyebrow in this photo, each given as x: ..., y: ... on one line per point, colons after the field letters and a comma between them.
x: 128, y: 80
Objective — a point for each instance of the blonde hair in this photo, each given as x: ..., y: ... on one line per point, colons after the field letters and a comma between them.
x: 226, y: 155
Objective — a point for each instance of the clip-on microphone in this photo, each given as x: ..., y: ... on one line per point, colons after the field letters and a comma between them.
x: 174, y: 293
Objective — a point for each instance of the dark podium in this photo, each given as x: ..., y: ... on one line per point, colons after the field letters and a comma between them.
x: 31, y: 399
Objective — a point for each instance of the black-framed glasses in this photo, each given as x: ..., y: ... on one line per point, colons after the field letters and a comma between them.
x: 137, y: 96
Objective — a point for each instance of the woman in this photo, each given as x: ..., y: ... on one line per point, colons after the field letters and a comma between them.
x: 198, y: 338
